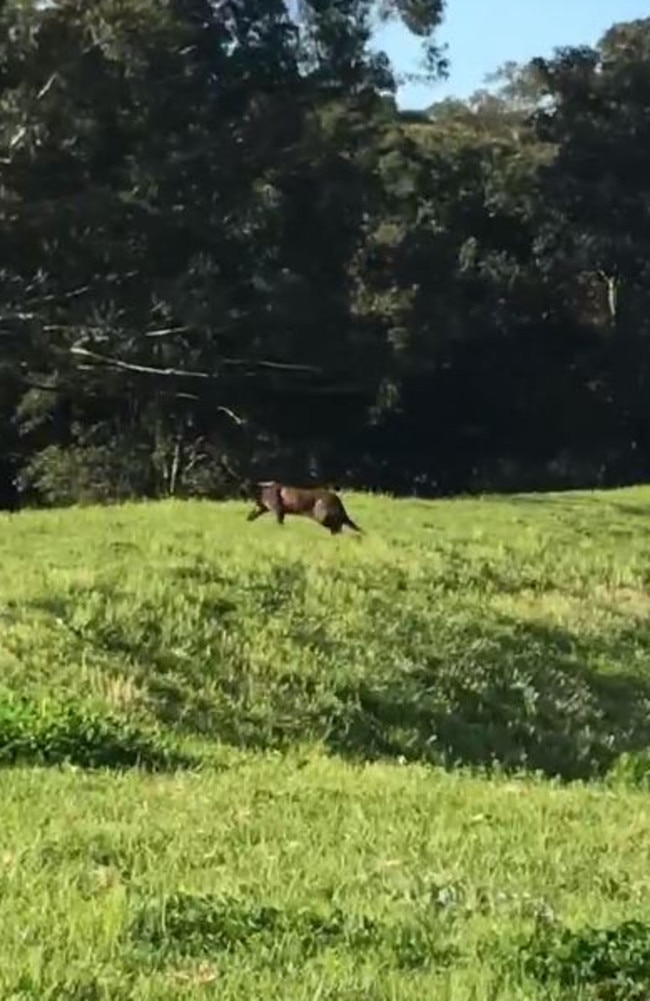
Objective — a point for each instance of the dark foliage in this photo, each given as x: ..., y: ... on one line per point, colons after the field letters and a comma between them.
x: 607, y: 964
x: 206, y: 924
x: 218, y: 233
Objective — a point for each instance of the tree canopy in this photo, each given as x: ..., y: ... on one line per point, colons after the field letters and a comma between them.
x: 218, y: 233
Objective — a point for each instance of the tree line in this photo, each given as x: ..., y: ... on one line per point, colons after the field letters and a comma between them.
x: 219, y: 234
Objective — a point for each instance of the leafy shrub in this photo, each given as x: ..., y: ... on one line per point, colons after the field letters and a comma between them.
x: 611, y: 964
x: 632, y: 768
x: 86, y: 474
x: 53, y: 733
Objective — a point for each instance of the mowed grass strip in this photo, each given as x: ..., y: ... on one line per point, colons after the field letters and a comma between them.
x: 513, y: 630
x: 301, y: 876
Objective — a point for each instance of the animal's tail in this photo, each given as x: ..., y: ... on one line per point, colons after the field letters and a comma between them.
x: 355, y: 528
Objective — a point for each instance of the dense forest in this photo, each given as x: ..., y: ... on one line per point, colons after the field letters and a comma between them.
x: 219, y: 234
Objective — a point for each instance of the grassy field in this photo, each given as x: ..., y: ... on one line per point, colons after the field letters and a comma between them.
x: 411, y: 765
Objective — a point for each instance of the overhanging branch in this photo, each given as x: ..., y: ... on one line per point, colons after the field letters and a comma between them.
x: 56, y: 388
x: 126, y: 366
x: 118, y: 363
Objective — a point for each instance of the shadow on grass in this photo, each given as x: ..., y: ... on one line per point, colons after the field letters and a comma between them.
x: 570, y: 505
x: 186, y: 924
x: 612, y: 964
x: 496, y: 691
x: 526, y: 700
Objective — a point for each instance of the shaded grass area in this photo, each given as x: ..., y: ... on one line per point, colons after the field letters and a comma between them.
x: 604, y: 964
x: 512, y: 632
x: 301, y: 876
x: 522, y: 695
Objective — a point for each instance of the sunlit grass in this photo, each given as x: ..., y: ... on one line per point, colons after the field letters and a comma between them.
x: 508, y: 634
x: 470, y: 631
x: 299, y: 875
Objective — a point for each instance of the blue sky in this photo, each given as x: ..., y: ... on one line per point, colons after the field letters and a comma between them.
x: 483, y: 34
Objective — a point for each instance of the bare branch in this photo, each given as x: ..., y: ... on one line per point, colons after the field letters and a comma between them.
x: 279, y: 366
x: 166, y: 331
x: 23, y: 317
x: 42, y: 386
x: 56, y: 296
x: 126, y: 366
x: 52, y: 328
x: 229, y: 471
x: 612, y: 284
x: 235, y: 418
x: 185, y: 396
x: 18, y: 137
x: 165, y: 372
x: 49, y: 388
x: 47, y: 87
x: 142, y: 369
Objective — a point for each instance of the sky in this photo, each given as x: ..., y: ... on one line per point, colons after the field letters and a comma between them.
x: 481, y: 35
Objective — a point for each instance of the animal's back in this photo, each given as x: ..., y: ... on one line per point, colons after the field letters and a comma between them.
x: 303, y: 500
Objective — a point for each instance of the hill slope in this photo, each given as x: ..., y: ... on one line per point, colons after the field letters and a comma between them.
x: 468, y: 631
x: 475, y: 632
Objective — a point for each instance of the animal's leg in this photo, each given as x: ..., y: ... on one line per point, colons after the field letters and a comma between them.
x: 330, y: 522
x: 321, y: 515
x: 257, y: 512
x: 274, y: 504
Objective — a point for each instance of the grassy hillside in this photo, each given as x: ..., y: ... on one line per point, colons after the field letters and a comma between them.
x: 262, y: 671
x: 471, y: 631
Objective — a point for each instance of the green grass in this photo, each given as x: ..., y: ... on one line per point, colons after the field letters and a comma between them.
x: 300, y: 878
x: 294, y: 696
x: 462, y: 632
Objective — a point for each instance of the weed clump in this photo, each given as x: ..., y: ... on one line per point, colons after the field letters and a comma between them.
x: 51, y: 733
x: 203, y: 923
x: 607, y: 964
x: 189, y: 924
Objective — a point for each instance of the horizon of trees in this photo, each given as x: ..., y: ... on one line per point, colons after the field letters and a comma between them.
x: 219, y: 234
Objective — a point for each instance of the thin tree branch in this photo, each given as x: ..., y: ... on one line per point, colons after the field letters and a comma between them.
x: 166, y: 331
x: 235, y: 418
x: 280, y: 366
x: 126, y: 366
x: 46, y: 87
x: 49, y: 388
x: 17, y: 137
x: 43, y: 387
x: 141, y: 369
x: 22, y: 317
x: 56, y: 296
